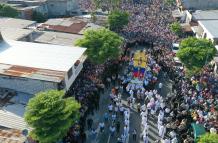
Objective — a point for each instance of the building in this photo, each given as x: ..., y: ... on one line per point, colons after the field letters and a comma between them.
x: 210, y: 30
x: 57, y: 38
x: 17, y: 29
x: 6, y: 22
x: 32, y: 67
x: 49, y: 8
x: 68, y: 25
x: 197, y: 4
x: 57, y: 8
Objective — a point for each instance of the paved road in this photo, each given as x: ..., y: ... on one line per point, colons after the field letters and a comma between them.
x: 135, y: 119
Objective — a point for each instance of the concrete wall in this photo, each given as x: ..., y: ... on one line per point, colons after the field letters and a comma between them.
x: 57, y: 8
x: 200, y: 4
x: 26, y: 85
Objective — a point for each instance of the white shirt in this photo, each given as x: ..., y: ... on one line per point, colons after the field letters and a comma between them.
x: 160, y: 85
x: 101, y: 125
x: 110, y: 107
x: 112, y: 129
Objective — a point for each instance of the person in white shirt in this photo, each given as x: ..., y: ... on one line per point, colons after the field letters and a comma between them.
x: 162, y: 131
x: 110, y: 108
x: 121, y: 109
x: 101, y: 126
x: 131, y: 93
x: 143, y: 107
x: 174, y: 140
x: 160, y: 85
x: 126, y: 130
x: 126, y: 122
x: 145, y: 138
x: 112, y: 130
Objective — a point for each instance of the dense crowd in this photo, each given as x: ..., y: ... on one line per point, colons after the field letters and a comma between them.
x: 192, y: 100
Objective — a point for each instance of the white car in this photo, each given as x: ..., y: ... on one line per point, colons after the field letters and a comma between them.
x: 175, y: 47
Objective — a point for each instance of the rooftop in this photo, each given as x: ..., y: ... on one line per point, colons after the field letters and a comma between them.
x: 67, y: 25
x: 58, y: 38
x: 15, y: 33
x: 15, y: 23
x: 206, y: 15
x: 42, y: 56
x: 200, y: 4
x: 211, y: 26
x: 12, y: 111
x: 11, y: 136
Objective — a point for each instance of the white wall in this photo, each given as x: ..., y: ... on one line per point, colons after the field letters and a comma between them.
x: 68, y: 82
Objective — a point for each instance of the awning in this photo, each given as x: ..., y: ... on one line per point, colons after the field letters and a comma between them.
x: 198, y: 129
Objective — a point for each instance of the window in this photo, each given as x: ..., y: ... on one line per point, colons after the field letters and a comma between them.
x: 69, y: 73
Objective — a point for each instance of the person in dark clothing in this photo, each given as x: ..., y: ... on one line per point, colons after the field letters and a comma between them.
x: 118, y: 126
x: 83, y: 137
x: 89, y: 123
x: 134, y: 135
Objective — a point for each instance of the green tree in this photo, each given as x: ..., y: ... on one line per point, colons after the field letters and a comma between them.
x: 209, y: 138
x: 50, y: 115
x: 195, y: 53
x: 176, y: 28
x: 39, y: 17
x: 101, y: 44
x: 118, y: 19
x: 8, y: 11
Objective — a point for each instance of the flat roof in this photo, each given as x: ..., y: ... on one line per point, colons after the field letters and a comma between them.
x: 15, y: 22
x: 39, y: 56
x: 67, y: 25
x: 58, y: 38
x: 211, y: 26
x: 90, y: 26
x: 206, y: 15
x: 15, y: 33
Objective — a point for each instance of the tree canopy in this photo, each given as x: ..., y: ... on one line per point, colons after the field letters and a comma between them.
x: 50, y: 115
x: 209, y: 138
x: 118, y: 19
x: 196, y: 53
x: 8, y: 11
x: 102, y: 44
x: 176, y: 28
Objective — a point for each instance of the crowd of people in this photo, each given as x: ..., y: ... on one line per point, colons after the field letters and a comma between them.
x: 192, y: 100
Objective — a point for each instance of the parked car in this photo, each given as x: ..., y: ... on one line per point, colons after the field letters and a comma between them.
x: 175, y: 47
x: 178, y: 63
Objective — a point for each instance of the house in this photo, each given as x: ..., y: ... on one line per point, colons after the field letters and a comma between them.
x: 68, y: 25
x: 17, y: 29
x: 32, y: 67
x: 57, y: 38
x: 197, y: 4
x: 49, y: 8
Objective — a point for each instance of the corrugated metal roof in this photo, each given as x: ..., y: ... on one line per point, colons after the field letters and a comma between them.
x: 32, y: 73
x: 68, y: 25
x: 11, y: 136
